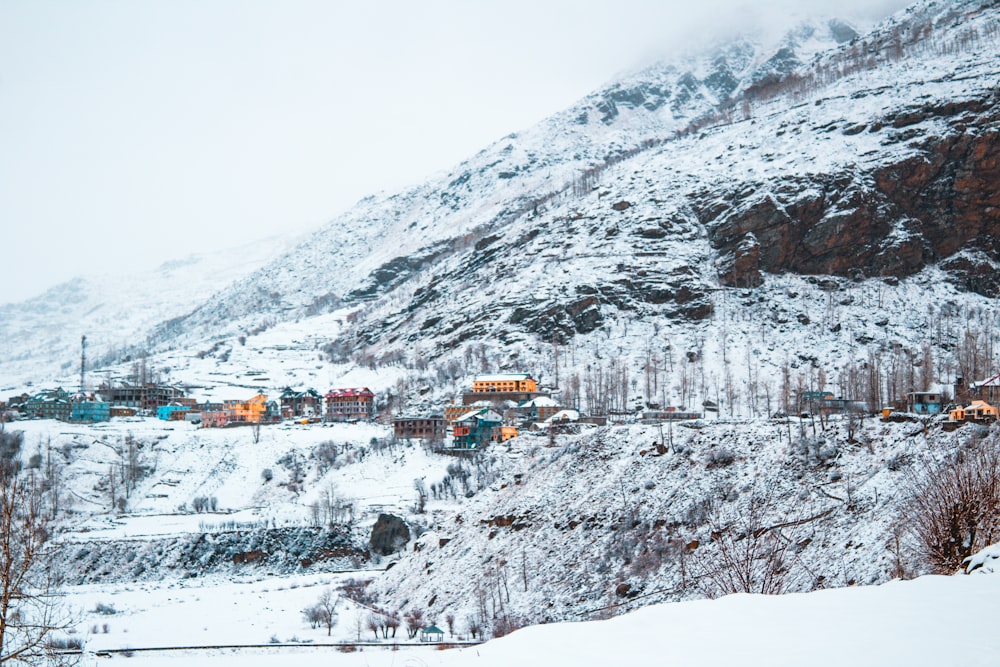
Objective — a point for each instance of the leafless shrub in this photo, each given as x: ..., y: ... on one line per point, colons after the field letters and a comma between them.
x: 105, y: 609
x: 750, y: 554
x: 508, y: 623
x: 953, y: 508
x: 719, y: 457
x: 325, y: 455
x: 697, y: 513
x: 414, y: 620
x: 898, y: 461
x: 10, y: 448
x: 356, y: 590
x: 30, y: 613
x: 474, y: 627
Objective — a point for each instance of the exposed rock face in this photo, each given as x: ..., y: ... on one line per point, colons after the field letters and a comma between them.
x: 892, y: 222
x: 742, y: 267
x: 389, y: 535
x: 278, y: 550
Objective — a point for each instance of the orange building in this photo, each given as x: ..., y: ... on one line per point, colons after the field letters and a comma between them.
x: 976, y: 411
x: 253, y: 411
x: 504, y: 382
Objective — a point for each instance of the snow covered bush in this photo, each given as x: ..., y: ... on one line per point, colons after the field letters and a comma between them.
x: 719, y: 457
x: 986, y: 561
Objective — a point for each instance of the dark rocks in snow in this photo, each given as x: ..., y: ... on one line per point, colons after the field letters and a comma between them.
x: 891, y: 222
x: 841, y: 31
x: 390, y: 535
x: 741, y: 267
x: 975, y: 272
x: 277, y: 550
x: 557, y: 323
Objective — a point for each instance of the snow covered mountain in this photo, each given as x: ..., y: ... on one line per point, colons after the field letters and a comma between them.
x: 40, y: 338
x: 850, y: 159
x: 648, y: 210
x: 388, y: 238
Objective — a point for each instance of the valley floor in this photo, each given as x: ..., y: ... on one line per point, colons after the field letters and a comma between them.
x: 928, y: 621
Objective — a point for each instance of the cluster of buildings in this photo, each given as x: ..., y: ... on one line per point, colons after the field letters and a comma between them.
x: 170, y: 403
x: 496, y: 409
x: 976, y: 402
x: 973, y: 402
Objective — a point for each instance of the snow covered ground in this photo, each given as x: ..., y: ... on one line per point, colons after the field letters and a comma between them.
x: 927, y: 621
x: 185, y: 462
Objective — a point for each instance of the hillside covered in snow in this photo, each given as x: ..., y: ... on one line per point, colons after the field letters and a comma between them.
x: 719, y: 234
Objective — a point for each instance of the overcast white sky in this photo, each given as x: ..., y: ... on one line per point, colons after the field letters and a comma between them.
x: 135, y: 132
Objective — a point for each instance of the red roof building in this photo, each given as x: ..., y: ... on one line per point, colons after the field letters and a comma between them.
x: 345, y: 404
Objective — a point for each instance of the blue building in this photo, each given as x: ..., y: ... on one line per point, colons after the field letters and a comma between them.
x: 925, y: 402
x: 475, y: 429
x: 89, y: 410
x: 172, y: 412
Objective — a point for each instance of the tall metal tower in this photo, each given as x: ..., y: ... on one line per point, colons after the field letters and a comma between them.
x: 83, y: 363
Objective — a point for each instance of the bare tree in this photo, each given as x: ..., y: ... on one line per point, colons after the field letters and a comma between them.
x: 750, y: 552
x: 392, y: 623
x: 375, y: 623
x: 953, y: 509
x: 324, y: 612
x: 29, y: 611
x: 421, y: 489
x: 414, y: 622
x: 474, y: 626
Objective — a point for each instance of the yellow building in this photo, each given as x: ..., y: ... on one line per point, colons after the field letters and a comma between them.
x: 977, y: 410
x: 507, y: 432
x: 513, y: 382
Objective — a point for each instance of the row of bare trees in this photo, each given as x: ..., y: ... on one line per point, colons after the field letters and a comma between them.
x: 30, y: 612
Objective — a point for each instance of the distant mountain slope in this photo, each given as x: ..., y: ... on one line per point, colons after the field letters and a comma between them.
x: 631, y: 225
x: 825, y: 153
x: 40, y: 338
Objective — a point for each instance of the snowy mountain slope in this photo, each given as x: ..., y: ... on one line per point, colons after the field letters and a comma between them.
x: 888, y: 169
x: 876, y: 157
x: 41, y: 336
x: 386, y: 239
x: 603, y: 518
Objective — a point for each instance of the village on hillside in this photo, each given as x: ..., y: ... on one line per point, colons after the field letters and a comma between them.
x: 496, y: 408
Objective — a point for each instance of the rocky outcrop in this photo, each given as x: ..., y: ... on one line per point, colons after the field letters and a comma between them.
x: 741, y: 268
x: 893, y: 221
x: 275, y: 550
x: 389, y: 535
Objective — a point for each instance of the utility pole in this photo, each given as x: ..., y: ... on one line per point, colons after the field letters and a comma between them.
x: 83, y: 363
